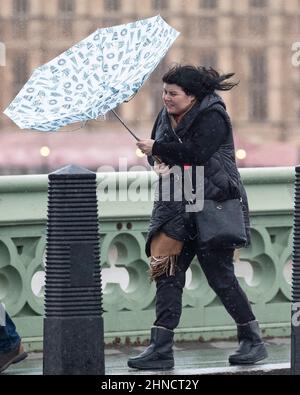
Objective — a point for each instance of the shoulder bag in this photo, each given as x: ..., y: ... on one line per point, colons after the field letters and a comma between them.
x: 219, y: 224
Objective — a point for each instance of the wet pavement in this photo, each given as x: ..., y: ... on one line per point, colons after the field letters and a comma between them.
x: 191, y: 358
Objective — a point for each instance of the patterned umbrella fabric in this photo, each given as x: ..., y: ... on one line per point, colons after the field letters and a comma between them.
x: 92, y: 77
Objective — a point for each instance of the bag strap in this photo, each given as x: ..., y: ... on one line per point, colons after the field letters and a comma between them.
x: 192, y: 201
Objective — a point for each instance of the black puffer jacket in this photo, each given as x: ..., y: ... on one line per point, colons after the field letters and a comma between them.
x: 207, y: 140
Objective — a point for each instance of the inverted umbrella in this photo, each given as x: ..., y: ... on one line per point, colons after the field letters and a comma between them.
x: 92, y: 77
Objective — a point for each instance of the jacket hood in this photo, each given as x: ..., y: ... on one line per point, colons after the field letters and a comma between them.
x: 210, y: 101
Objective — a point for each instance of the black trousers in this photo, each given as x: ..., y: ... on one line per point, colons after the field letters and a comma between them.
x: 218, y: 268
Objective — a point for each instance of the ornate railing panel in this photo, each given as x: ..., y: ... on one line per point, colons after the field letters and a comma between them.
x: 129, y: 296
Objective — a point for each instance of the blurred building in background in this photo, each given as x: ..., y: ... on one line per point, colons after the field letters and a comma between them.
x: 252, y: 38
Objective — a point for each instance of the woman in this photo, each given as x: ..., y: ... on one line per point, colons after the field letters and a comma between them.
x: 193, y: 129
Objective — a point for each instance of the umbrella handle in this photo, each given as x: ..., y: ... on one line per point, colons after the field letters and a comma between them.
x: 157, y: 159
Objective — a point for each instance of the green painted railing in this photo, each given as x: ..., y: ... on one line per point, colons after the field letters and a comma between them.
x: 129, y: 296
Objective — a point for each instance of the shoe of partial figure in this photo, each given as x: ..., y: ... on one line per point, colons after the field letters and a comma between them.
x: 159, y: 354
x: 13, y: 356
x: 251, y: 346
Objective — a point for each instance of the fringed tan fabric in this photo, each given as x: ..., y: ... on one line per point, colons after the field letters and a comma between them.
x: 162, y: 265
x: 236, y: 256
x: 164, y: 254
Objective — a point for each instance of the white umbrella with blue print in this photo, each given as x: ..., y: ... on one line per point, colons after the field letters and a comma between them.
x: 92, y: 77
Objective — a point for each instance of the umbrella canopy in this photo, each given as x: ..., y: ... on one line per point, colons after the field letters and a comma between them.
x: 92, y: 77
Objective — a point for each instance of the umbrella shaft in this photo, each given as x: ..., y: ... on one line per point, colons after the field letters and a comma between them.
x: 117, y: 116
x: 138, y: 139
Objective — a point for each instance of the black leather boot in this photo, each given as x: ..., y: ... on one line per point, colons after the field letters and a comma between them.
x: 252, y: 348
x: 159, y: 354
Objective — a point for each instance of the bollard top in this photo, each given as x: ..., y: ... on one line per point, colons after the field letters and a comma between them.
x: 72, y: 171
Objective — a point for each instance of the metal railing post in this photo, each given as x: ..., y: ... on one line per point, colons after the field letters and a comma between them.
x: 73, y: 324
x: 295, y: 327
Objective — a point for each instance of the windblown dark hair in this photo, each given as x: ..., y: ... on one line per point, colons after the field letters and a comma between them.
x: 198, y: 81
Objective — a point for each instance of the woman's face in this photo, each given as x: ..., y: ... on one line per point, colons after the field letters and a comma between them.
x: 176, y: 100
